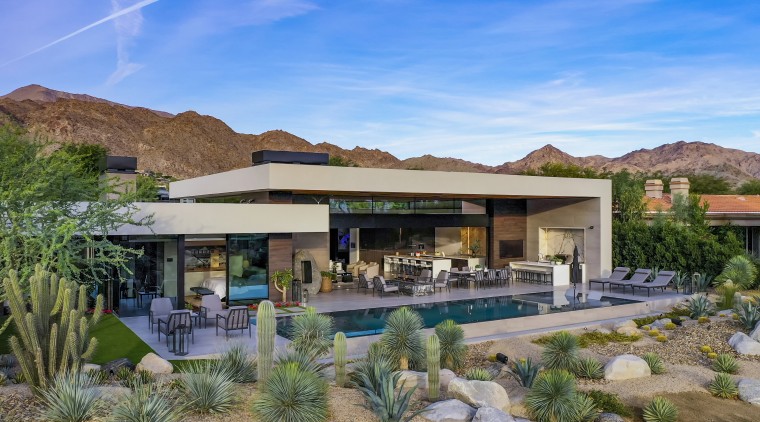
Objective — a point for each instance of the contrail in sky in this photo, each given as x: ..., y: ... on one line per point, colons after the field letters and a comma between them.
x: 108, y: 18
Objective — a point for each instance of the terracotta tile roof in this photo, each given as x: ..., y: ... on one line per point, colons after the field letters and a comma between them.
x: 718, y: 203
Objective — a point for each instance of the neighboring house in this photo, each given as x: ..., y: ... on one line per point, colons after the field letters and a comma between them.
x: 294, y: 211
x: 737, y: 210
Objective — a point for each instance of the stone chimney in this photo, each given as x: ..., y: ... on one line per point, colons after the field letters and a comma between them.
x: 679, y: 186
x: 120, y: 172
x: 653, y: 188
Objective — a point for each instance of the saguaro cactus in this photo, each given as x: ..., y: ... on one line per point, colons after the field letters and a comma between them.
x: 54, y: 337
x: 433, y: 367
x: 339, y: 358
x: 265, y: 333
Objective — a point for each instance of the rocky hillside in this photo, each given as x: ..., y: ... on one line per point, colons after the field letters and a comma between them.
x: 190, y: 144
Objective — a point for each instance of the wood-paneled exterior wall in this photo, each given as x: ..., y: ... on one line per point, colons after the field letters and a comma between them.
x: 508, y: 221
x: 280, y: 258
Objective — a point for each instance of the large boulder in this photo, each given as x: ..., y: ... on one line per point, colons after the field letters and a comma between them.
x: 755, y: 334
x: 87, y: 367
x: 479, y: 393
x: 744, y: 345
x: 112, y: 394
x: 660, y: 323
x: 626, y: 367
x: 490, y: 414
x: 448, y: 411
x: 444, y: 376
x: 155, y: 364
x: 609, y: 417
x: 629, y: 323
x: 737, y: 338
x: 749, y: 391
x: 628, y: 331
x: 411, y: 379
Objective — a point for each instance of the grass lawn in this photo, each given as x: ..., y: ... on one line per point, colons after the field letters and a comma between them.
x: 115, y: 341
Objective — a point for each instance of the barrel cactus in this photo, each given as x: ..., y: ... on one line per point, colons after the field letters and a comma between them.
x: 339, y: 352
x: 433, y: 367
x: 265, y: 333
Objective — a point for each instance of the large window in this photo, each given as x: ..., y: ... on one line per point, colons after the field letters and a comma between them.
x: 390, y: 205
x: 247, y: 275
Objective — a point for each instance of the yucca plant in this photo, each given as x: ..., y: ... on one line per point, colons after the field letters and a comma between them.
x: 725, y: 363
x: 387, y: 402
x: 453, y: 350
x: 589, y: 368
x: 478, y: 374
x: 554, y: 398
x: 740, y: 270
x: 660, y: 409
x: 723, y: 386
x: 305, y: 361
x: 700, y: 306
x: 368, y: 372
x: 209, y: 387
x: 70, y: 397
x: 98, y: 377
x: 586, y: 409
x: 525, y: 371
x: 133, y: 379
x: 292, y: 394
x: 311, y: 333
x: 402, y: 338
x: 749, y: 314
x: 561, y: 351
x: 655, y: 362
x: 239, y: 362
x: 148, y: 403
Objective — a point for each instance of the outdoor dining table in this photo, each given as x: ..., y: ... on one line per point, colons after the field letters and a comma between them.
x: 462, y: 275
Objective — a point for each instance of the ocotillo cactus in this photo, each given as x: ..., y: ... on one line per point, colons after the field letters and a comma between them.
x: 339, y: 358
x: 54, y: 337
x: 265, y: 332
x: 433, y: 367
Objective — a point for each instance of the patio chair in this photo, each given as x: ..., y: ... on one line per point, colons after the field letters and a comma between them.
x: 442, y: 281
x: 504, y: 276
x: 639, y: 276
x: 493, y: 278
x: 425, y: 277
x: 383, y: 287
x: 479, y: 279
x: 619, y: 273
x: 171, y: 324
x: 160, y: 307
x: 211, y: 306
x: 663, y: 279
x: 364, y: 283
x: 236, y: 319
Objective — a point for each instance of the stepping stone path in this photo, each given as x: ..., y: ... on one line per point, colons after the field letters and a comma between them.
x: 448, y: 411
x: 744, y: 345
x: 479, y: 393
x: 749, y: 391
x: 626, y: 367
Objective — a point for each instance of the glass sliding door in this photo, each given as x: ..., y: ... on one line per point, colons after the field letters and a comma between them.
x: 247, y: 268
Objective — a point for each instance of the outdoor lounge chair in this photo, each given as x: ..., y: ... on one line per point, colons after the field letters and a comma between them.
x: 426, y: 276
x: 364, y: 283
x: 619, y: 273
x: 171, y: 325
x: 211, y: 306
x: 383, y: 287
x: 236, y: 319
x: 660, y: 282
x: 160, y: 307
x: 639, y: 276
x: 442, y: 281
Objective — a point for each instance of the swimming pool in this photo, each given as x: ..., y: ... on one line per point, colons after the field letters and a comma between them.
x: 367, y: 322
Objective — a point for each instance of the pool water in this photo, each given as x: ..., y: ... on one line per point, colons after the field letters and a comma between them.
x: 366, y: 322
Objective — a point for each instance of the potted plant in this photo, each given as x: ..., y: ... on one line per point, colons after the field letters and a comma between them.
x: 326, y: 281
x: 282, y: 280
x: 475, y: 247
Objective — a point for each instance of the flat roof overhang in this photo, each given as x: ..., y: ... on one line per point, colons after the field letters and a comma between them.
x: 357, y: 181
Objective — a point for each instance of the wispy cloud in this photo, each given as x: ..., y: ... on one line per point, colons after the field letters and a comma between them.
x: 127, y: 27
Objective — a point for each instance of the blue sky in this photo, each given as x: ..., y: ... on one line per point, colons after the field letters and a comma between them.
x: 486, y: 81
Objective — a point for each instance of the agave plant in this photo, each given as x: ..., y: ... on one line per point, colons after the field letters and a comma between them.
x: 589, y: 368
x: 700, y: 306
x: 147, y: 403
x: 701, y: 282
x: 387, y: 402
x: 660, y: 409
x: 369, y: 372
x: 312, y: 333
x: 740, y: 270
x: 561, y: 351
x: 655, y: 362
x: 723, y: 386
x: 681, y: 281
x: 402, y: 338
x: 554, y: 398
x: 725, y: 363
x: 71, y: 398
x: 239, y: 362
x: 478, y: 374
x: 453, y: 350
x: 209, y: 387
x: 292, y: 394
x: 525, y: 371
x: 749, y: 314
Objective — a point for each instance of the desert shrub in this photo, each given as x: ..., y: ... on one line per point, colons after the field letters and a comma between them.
x: 670, y: 326
x: 602, y: 339
x: 749, y: 314
x: 312, y: 332
x: 660, y: 409
x: 655, y: 362
x: 703, y: 320
x: 208, y: 387
x: 70, y: 397
x: 725, y: 363
x: 147, y: 403
x: 305, y: 361
x: 700, y: 306
x: 727, y: 291
x: 723, y: 386
x: 586, y: 409
x: 610, y: 403
x: 3, y: 379
x: 402, y: 338
x: 478, y: 374
x: 291, y: 394
x: 589, y: 368
x: 739, y: 269
x: 705, y: 349
x: 646, y: 328
x: 525, y: 371
x: 554, y: 398
x: 561, y: 351
x: 98, y: 377
x: 654, y: 332
x: 239, y: 362
x: 712, y: 355
x: 661, y: 338
x: 133, y: 379
x: 387, y: 402
x: 453, y: 350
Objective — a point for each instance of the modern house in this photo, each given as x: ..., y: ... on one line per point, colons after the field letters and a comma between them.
x: 230, y: 231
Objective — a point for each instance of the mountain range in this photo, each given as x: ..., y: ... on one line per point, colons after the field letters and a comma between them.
x: 189, y: 144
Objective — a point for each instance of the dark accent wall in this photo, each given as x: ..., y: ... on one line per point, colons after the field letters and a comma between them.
x: 508, y: 220
x: 280, y: 258
x: 181, y: 271
x: 375, y: 221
